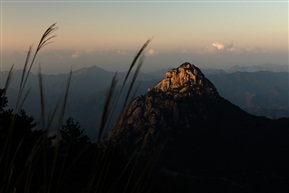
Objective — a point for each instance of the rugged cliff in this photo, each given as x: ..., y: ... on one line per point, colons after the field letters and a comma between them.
x: 203, y: 141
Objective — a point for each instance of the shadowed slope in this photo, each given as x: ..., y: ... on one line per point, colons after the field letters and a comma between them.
x: 208, y: 142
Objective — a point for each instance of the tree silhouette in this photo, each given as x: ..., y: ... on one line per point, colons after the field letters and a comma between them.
x: 21, y: 149
x: 72, y: 137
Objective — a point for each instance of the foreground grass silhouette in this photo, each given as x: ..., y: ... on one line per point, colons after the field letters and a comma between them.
x: 33, y: 160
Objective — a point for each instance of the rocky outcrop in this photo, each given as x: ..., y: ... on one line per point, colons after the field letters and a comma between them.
x: 185, y: 80
x: 199, y: 141
x: 182, y: 101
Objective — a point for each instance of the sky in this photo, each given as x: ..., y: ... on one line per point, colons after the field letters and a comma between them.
x: 209, y: 34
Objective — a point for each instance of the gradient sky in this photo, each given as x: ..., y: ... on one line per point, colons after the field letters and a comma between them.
x: 104, y: 33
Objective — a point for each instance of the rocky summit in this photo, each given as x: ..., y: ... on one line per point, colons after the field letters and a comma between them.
x: 183, y: 100
x: 203, y: 142
x: 185, y: 80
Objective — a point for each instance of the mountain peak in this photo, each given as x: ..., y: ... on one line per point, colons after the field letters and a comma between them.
x: 183, y: 99
x: 185, y: 80
x: 190, y: 134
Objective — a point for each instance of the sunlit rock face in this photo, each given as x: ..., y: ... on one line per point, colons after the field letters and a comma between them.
x: 182, y: 101
x: 187, y: 79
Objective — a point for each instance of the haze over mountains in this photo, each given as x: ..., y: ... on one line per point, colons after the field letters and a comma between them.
x: 261, y: 90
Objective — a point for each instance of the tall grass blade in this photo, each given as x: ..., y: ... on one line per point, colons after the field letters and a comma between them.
x: 64, y: 102
x: 22, y: 85
x: 51, y: 117
x: 62, y: 113
x: 25, y: 67
x: 106, y: 108
x: 25, y: 72
x: 24, y: 98
x: 135, y: 59
x: 130, y: 69
x: 43, y: 41
x: 133, y: 80
x: 8, y: 80
x: 137, y: 56
x: 42, y: 100
x: 10, y: 168
x: 7, y: 83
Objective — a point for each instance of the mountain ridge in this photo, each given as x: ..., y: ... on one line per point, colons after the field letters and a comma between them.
x: 267, y: 96
x: 182, y: 97
x: 201, y: 134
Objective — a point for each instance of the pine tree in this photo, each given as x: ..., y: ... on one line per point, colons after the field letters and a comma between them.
x: 72, y: 137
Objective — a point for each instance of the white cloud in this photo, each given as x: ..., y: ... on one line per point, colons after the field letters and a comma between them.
x: 221, y: 47
x: 218, y: 45
x: 151, y: 52
x: 229, y: 47
x: 76, y: 54
x: 208, y: 49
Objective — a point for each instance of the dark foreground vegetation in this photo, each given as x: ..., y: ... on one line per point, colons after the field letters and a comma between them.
x: 34, y: 159
x: 172, y: 139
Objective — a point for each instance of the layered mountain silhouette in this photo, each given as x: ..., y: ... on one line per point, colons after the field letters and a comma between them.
x: 260, y: 93
x: 256, y: 92
x: 200, y: 142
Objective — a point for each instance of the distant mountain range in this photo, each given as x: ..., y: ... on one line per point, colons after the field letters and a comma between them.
x: 264, y: 67
x: 260, y: 93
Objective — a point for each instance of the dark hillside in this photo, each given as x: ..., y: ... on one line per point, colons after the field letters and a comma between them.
x: 210, y: 145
